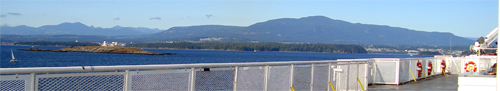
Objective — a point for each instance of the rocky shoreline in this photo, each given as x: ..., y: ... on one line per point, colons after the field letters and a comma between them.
x: 101, y: 49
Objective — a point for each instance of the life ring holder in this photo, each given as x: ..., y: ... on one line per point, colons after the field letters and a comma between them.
x: 470, y: 67
x: 429, y: 68
x: 419, y: 68
x: 443, y: 65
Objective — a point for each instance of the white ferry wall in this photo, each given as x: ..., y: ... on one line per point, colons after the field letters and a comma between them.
x: 397, y: 71
x: 457, y: 65
x: 474, y: 80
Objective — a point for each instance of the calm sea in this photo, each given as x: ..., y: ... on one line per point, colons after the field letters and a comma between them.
x: 62, y: 59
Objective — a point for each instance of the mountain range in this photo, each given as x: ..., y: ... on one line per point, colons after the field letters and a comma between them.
x: 76, y: 28
x: 312, y: 29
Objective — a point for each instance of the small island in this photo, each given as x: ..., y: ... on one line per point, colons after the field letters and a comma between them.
x: 101, y: 49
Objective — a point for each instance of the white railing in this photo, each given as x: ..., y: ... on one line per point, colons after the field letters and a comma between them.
x: 344, y: 75
x: 297, y: 75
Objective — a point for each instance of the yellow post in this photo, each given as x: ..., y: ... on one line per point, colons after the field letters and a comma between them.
x: 292, y: 88
x: 413, y: 76
x: 361, y: 85
x: 434, y: 72
x: 424, y: 73
x: 444, y: 70
x: 444, y: 73
x: 332, y: 86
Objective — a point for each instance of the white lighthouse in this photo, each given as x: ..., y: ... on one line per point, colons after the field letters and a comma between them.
x: 104, y: 43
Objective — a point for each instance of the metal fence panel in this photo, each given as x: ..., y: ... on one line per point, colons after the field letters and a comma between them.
x: 15, y: 82
x: 386, y: 72
x: 10, y: 85
x: 371, y: 72
x: 214, y: 80
x: 160, y: 80
x: 353, y: 75
x: 362, y: 74
x: 320, y: 82
x: 342, y: 76
x: 412, y: 70
x: 456, y: 66
x: 81, y: 81
x: 251, y: 78
x: 404, y: 71
x: 302, y: 77
x: 279, y: 78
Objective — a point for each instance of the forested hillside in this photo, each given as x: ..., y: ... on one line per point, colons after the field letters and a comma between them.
x: 327, y: 48
x: 45, y: 43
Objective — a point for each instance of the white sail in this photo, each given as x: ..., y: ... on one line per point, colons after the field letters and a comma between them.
x: 12, y: 54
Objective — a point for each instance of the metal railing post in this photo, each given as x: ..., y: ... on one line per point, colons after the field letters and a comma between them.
x: 193, y: 79
x: 357, y: 74
x: 33, y: 84
x: 266, y: 77
x: 348, y: 72
x: 291, y: 75
x: 126, y: 80
x: 329, y: 74
x: 312, y: 78
x: 373, y: 71
x: 235, y: 78
x: 366, y: 74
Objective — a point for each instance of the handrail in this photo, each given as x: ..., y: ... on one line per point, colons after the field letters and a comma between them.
x: 145, y: 67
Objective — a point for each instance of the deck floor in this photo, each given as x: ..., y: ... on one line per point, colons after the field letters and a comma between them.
x: 440, y: 83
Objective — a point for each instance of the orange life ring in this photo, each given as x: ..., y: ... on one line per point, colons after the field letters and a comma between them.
x: 419, y: 68
x: 470, y: 67
x: 429, y: 68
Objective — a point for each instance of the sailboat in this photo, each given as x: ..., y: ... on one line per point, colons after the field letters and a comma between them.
x: 13, y: 59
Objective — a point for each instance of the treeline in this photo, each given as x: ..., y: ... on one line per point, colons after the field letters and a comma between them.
x: 45, y: 43
x: 329, y: 48
x: 462, y: 48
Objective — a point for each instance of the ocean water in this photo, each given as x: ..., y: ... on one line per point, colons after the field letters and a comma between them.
x: 64, y: 59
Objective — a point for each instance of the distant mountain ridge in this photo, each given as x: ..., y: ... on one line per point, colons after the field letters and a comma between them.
x: 76, y: 28
x: 312, y: 29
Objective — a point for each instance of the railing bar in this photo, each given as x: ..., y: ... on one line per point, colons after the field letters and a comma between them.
x: 143, y: 67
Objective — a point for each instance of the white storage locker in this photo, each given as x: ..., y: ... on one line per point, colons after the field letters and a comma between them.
x: 386, y: 70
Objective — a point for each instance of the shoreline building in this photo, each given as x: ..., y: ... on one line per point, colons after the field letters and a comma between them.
x: 104, y: 44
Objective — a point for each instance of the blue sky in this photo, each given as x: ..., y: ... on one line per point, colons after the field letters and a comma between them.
x: 466, y: 18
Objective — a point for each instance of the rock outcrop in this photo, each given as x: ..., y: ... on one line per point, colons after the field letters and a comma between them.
x: 36, y: 49
x: 101, y: 49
